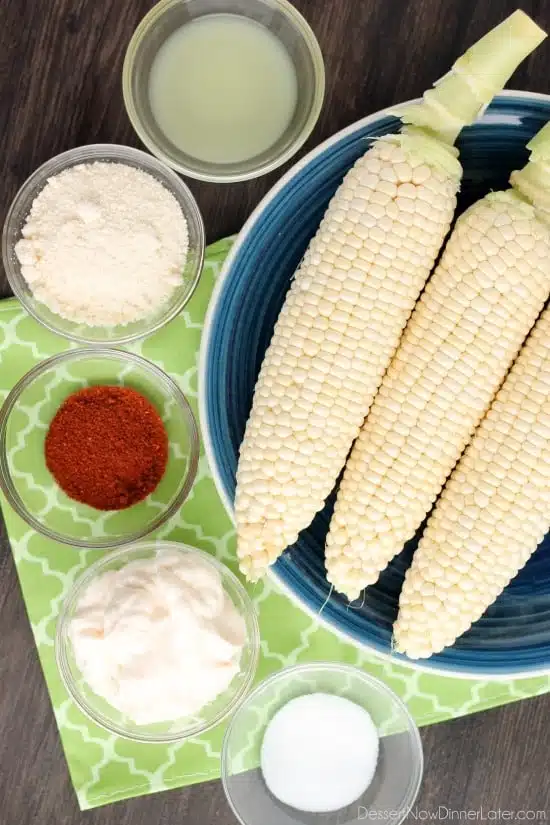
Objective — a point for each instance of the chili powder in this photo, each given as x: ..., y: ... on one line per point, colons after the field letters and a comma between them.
x: 107, y: 447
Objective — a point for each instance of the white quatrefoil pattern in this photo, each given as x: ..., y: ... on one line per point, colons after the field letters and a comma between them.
x: 103, y: 767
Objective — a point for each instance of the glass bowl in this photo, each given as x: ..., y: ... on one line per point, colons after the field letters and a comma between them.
x: 396, y: 782
x: 284, y: 21
x: 98, y: 709
x: 122, y: 333
x: 24, y: 420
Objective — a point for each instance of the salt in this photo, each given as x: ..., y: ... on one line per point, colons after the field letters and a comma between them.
x: 319, y: 753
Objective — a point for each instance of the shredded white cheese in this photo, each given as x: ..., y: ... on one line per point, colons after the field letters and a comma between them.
x: 103, y: 244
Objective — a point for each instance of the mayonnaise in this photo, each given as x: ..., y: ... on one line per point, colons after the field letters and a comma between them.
x: 158, y: 638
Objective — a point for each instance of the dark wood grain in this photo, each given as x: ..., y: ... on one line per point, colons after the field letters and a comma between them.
x: 60, y: 68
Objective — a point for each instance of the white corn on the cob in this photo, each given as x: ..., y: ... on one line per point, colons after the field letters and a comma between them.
x: 340, y: 324
x: 468, y: 326
x: 494, y: 511
x: 350, y: 299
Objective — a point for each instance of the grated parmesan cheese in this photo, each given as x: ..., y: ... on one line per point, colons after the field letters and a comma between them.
x: 103, y: 244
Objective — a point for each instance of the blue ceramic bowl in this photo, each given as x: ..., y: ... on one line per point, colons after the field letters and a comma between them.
x: 513, y: 638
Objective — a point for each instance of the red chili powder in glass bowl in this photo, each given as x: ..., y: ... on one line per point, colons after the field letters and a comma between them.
x: 107, y: 447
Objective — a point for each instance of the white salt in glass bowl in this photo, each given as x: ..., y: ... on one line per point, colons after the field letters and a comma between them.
x: 98, y: 709
x: 21, y: 206
x: 396, y: 782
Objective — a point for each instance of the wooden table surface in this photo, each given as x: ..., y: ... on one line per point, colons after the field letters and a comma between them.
x: 60, y: 86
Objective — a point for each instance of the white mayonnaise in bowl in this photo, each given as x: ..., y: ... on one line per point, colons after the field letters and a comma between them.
x: 157, y: 642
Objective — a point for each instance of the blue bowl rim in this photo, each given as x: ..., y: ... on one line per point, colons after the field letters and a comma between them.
x: 478, y: 674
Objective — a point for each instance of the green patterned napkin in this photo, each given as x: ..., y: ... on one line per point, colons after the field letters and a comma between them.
x: 105, y: 768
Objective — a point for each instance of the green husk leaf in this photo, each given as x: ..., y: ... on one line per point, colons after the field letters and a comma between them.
x: 421, y: 147
x: 460, y: 96
x: 533, y: 181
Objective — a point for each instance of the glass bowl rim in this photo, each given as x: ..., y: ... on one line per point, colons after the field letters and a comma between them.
x: 289, y: 672
x: 169, y: 386
x: 97, y: 152
x: 298, y: 23
x: 127, y: 552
